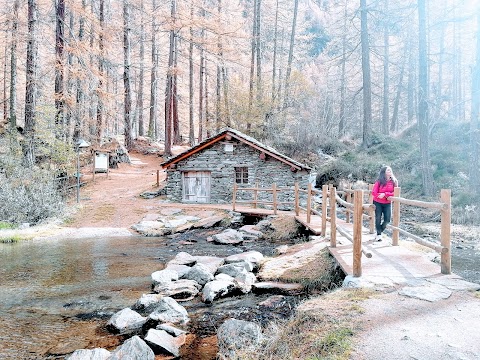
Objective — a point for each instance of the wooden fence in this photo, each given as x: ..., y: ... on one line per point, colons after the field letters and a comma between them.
x: 355, y: 207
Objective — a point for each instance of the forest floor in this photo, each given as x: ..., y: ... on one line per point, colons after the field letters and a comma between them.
x: 390, y: 326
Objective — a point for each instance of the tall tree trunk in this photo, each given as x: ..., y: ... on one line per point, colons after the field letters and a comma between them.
x: 191, y: 132
x: 258, y: 52
x: 367, y: 85
x: 13, y: 69
x: 394, y: 123
x: 80, y: 96
x: 286, y: 90
x: 411, y: 84
x: 177, y: 139
x: 70, y: 82
x: 386, y: 75
x: 253, y: 45
x: 31, y: 87
x: 201, y: 85
x: 427, y: 178
x: 274, y: 60
x: 101, y: 70
x: 342, y: 124
x: 169, y: 87
x: 126, y: 76
x: 152, y: 123
x: 59, y: 69
x: 141, y: 76
x: 474, y: 121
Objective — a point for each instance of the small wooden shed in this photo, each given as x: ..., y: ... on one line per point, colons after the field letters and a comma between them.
x: 206, y: 172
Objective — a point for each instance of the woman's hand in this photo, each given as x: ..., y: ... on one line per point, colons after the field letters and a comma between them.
x: 381, y: 195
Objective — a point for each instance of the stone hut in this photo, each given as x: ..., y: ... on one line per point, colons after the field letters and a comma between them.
x: 207, y: 172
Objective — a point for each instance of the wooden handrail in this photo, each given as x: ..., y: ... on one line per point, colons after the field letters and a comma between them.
x: 330, y: 197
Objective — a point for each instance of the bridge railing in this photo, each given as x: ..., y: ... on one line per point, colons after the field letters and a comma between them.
x: 355, y: 207
x: 361, y: 211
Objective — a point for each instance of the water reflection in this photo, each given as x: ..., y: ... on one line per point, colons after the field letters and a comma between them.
x: 45, y: 285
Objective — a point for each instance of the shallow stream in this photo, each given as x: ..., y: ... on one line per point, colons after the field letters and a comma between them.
x: 57, y: 295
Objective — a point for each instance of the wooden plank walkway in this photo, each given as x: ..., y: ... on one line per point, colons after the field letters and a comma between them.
x: 397, y: 263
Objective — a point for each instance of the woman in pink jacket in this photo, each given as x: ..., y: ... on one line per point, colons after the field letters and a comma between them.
x: 382, y: 191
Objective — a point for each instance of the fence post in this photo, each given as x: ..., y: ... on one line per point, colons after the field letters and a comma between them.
x: 396, y: 216
x: 274, y: 191
x: 348, y: 198
x: 255, y: 195
x: 324, y: 209
x: 371, y: 212
x: 297, y: 200
x: 357, y: 232
x: 158, y: 178
x: 309, y: 203
x: 234, y: 195
x: 446, y: 258
x: 333, y: 217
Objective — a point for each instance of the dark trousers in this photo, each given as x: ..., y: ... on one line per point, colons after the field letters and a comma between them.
x: 386, y: 211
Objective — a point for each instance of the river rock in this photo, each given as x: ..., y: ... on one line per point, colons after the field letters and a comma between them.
x: 89, y: 354
x: 254, y: 257
x: 133, y: 349
x: 163, y: 277
x: 228, y: 237
x: 181, y: 290
x: 172, y: 330
x: 126, y: 321
x: 183, y: 258
x: 277, y: 288
x: 199, y: 273
x: 251, y: 232
x: 235, y: 269
x: 208, y: 222
x: 169, y: 311
x: 147, y: 302
x: 236, y: 334
x: 161, y: 341
x: 245, y: 282
x: 216, y: 289
x: 181, y: 270
x: 211, y: 262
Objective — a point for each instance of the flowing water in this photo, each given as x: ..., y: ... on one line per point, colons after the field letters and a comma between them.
x: 45, y: 287
x: 57, y: 295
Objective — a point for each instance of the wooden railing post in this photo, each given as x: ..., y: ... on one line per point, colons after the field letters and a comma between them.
x: 255, y: 195
x: 357, y: 232
x: 348, y: 198
x: 371, y: 212
x: 396, y: 216
x: 309, y: 203
x: 158, y: 177
x: 324, y: 209
x: 274, y: 193
x: 234, y: 195
x: 333, y: 217
x: 446, y: 258
x: 297, y: 200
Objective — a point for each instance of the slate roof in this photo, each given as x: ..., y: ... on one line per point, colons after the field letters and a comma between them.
x: 242, y: 138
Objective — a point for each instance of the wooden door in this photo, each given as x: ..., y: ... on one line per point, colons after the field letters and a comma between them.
x: 196, y: 186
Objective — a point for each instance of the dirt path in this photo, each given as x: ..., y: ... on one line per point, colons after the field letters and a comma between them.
x: 115, y: 201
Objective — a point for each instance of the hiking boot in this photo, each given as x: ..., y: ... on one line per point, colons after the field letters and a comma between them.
x: 378, y: 237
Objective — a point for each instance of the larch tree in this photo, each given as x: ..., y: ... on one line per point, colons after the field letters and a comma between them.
x: 13, y: 68
x: 367, y: 84
x: 475, y: 121
x: 126, y: 76
x: 141, y: 75
x: 60, y: 69
x: 31, y: 86
x: 152, y: 121
x: 427, y: 177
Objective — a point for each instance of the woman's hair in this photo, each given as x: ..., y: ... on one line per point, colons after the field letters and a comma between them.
x: 382, y: 177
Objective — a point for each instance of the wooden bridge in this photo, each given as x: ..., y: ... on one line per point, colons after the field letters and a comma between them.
x: 351, y: 243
